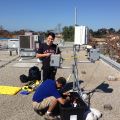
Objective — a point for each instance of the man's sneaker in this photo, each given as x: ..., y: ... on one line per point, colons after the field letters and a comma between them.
x: 58, y: 117
x: 49, y: 117
x: 38, y: 112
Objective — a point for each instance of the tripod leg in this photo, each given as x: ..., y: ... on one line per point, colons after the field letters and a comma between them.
x: 68, y: 78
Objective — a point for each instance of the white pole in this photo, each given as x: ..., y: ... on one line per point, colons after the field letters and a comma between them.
x: 75, y: 16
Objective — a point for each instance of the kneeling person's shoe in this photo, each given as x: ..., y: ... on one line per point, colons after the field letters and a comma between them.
x: 49, y: 117
x: 39, y: 112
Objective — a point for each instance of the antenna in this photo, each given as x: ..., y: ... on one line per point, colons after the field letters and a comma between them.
x: 75, y: 16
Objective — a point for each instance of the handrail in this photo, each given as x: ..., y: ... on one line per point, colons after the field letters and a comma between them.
x: 110, y: 61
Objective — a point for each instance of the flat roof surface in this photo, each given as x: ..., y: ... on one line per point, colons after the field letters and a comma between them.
x: 19, y: 107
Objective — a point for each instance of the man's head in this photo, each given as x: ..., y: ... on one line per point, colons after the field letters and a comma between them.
x: 60, y: 82
x: 50, y: 38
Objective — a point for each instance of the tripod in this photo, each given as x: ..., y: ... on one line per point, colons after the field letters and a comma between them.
x: 76, y: 85
x: 74, y: 74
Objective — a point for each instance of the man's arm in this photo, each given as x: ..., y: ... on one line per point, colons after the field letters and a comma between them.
x: 63, y: 101
x: 38, y: 55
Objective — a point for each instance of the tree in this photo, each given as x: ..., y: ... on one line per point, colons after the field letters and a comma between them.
x: 100, y: 33
x: 111, y: 31
x: 118, y: 31
x: 68, y: 33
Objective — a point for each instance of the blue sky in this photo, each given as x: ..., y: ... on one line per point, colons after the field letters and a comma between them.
x: 41, y: 15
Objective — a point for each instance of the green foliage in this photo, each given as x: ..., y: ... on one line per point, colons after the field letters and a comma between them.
x: 118, y: 31
x: 68, y: 33
x: 111, y: 30
x: 100, y: 33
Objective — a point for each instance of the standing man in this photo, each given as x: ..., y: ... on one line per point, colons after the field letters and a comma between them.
x: 44, y: 52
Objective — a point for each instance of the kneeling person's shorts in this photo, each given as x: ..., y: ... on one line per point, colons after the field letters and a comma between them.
x: 43, y: 104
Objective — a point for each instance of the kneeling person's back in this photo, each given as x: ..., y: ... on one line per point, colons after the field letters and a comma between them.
x: 46, y: 89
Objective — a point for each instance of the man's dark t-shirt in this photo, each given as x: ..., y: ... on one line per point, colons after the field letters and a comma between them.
x: 44, y: 48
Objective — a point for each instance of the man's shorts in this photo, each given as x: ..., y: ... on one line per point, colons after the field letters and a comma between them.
x: 44, y: 104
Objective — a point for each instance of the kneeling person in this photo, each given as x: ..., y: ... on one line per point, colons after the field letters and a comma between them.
x: 47, y: 95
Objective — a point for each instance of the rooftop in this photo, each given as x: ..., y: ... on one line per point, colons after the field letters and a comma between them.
x: 19, y: 107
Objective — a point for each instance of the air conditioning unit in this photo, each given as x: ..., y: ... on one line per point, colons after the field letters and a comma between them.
x: 13, y: 43
x: 27, y: 42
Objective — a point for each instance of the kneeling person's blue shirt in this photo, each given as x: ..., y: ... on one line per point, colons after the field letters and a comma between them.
x: 46, y: 89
